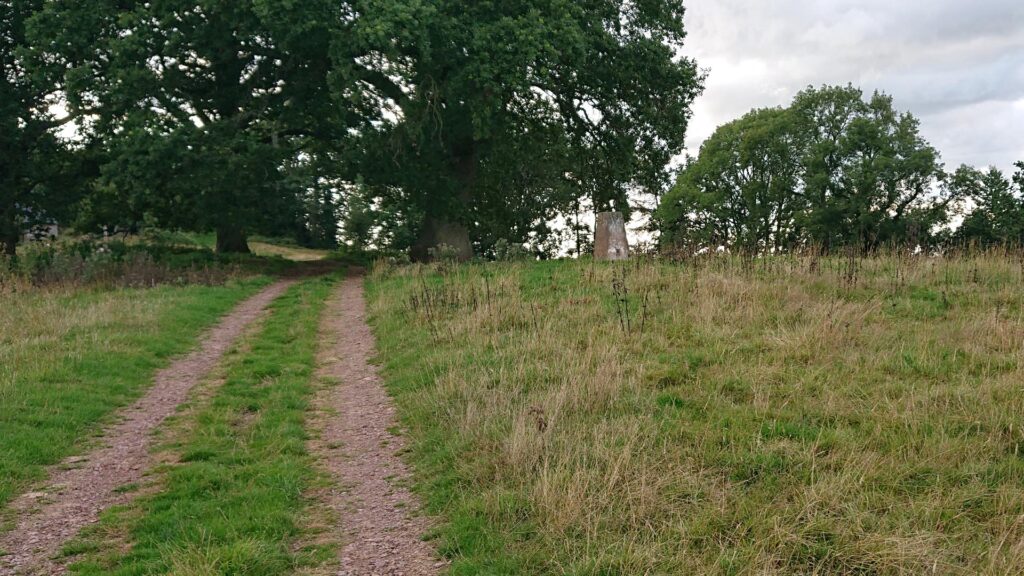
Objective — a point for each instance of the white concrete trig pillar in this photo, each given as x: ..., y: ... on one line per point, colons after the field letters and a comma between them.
x: 610, y: 241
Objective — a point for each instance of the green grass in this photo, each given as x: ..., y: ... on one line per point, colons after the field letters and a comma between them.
x: 231, y: 503
x: 773, y: 417
x: 68, y: 360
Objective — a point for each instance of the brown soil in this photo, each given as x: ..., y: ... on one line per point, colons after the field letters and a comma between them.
x: 81, y: 487
x: 379, y: 528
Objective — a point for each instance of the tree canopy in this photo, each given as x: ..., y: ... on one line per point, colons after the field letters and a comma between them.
x: 833, y: 169
x: 37, y: 171
x: 462, y: 122
x: 199, y: 105
x: 411, y: 124
x: 502, y: 114
x: 998, y: 214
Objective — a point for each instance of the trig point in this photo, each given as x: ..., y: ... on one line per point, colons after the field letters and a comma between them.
x: 610, y: 237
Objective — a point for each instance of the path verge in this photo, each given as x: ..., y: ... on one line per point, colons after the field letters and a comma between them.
x: 81, y: 487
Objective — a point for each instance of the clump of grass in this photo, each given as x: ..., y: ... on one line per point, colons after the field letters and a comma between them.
x: 230, y: 503
x: 69, y: 359
x: 781, y: 415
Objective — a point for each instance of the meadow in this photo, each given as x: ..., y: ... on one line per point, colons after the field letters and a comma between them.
x: 714, y: 415
x: 703, y: 415
x: 70, y: 357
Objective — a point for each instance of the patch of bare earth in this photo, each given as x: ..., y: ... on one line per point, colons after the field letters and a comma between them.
x: 81, y: 487
x: 380, y: 530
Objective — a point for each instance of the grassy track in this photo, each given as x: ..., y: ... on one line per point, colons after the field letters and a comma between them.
x: 68, y: 360
x: 780, y: 416
x: 229, y: 506
x: 294, y: 253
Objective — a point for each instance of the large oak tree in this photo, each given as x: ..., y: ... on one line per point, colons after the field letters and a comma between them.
x: 199, y: 103
x: 503, y: 114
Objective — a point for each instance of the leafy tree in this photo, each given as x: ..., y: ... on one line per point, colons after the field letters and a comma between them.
x: 311, y: 178
x: 740, y: 191
x: 868, y: 176
x: 998, y: 214
x: 37, y: 171
x: 359, y: 221
x: 200, y: 104
x: 505, y: 113
x: 833, y: 169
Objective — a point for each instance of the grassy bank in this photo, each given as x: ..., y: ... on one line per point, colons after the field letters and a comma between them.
x: 715, y: 416
x: 68, y: 359
x: 229, y: 502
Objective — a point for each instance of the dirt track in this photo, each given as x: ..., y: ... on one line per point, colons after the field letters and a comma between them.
x: 81, y: 487
x: 380, y: 531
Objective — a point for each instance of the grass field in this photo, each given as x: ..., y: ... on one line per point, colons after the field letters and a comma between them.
x: 294, y: 253
x: 229, y: 501
x: 68, y: 359
x: 715, y: 416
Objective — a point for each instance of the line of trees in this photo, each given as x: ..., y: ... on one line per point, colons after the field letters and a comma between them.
x: 834, y: 169
x: 415, y: 123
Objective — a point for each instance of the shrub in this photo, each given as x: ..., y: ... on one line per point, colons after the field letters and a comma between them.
x: 505, y: 251
x: 114, y: 263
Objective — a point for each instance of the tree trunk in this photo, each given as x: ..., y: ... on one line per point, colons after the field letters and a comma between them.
x: 442, y: 228
x: 231, y: 239
x: 437, y: 231
x: 10, y: 234
x: 10, y: 246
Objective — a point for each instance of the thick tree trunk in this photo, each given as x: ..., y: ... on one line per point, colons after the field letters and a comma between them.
x: 442, y: 228
x: 438, y: 231
x: 10, y: 245
x: 231, y: 239
x: 10, y: 234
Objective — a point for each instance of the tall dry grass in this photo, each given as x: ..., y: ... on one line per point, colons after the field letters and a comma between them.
x: 716, y: 415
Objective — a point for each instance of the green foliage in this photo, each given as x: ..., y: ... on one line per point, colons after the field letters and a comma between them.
x: 359, y: 221
x: 460, y: 120
x: 506, y: 113
x: 505, y: 251
x: 740, y: 191
x: 869, y: 178
x: 161, y: 258
x: 833, y: 169
x: 998, y: 214
x: 38, y: 173
x: 198, y: 107
x: 444, y: 253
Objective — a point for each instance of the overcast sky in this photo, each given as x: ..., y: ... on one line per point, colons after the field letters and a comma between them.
x: 958, y: 65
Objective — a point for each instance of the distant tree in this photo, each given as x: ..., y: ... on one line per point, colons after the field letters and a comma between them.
x: 199, y: 104
x: 998, y: 213
x: 504, y: 113
x: 312, y: 179
x: 869, y: 178
x: 741, y: 189
x: 831, y: 170
x: 359, y: 221
x: 37, y: 171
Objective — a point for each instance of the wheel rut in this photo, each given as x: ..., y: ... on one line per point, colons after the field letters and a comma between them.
x: 81, y: 487
x: 380, y: 528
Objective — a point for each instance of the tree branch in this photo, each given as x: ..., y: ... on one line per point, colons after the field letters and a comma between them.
x: 386, y: 86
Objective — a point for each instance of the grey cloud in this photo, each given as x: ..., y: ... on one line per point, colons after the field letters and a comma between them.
x: 957, y: 65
